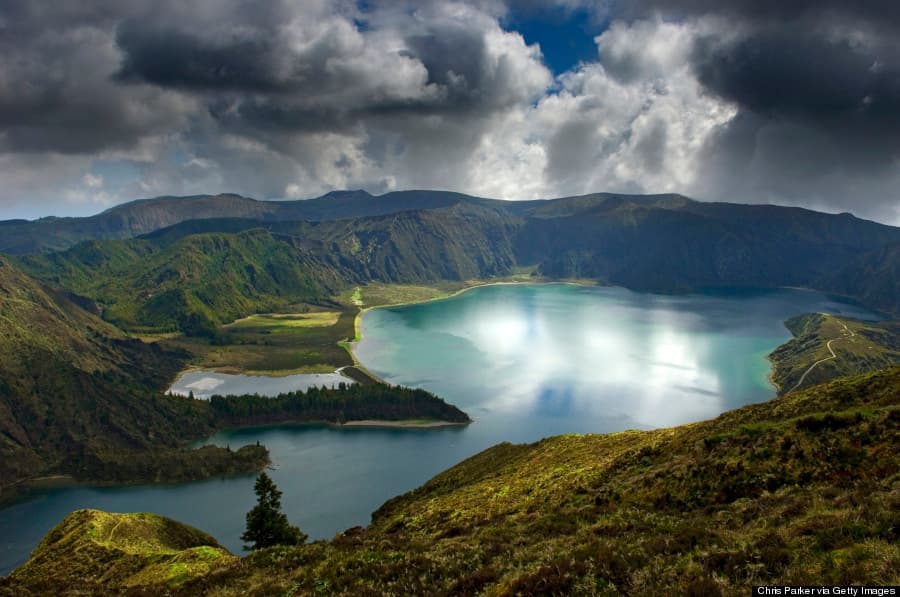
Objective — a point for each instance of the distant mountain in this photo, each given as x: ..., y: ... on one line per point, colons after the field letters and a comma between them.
x: 670, y: 243
x: 179, y: 279
x: 76, y: 397
x: 665, y: 243
x: 124, y: 221
x: 873, y: 278
x: 139, y: 217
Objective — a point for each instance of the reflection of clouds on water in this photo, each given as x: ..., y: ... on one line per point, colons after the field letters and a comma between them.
x: 577, y: 362
x: 204, y: 384
x: 586, y: 357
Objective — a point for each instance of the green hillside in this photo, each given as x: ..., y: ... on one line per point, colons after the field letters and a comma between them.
x: 208, y: 270
x: 80, y: 400
x: 800, y: 490
x: 194, y: 283
x: 122, y: 549
x: 124, y: 221
x: 826, y: 346
x: 191, y: 284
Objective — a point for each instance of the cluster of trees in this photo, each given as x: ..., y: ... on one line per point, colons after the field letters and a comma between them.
x: 345, y: 402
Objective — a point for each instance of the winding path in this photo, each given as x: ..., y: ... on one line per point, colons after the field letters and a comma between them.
x: 831, y: 350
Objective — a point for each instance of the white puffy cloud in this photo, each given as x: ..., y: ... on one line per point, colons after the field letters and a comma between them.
x: 293, y: 99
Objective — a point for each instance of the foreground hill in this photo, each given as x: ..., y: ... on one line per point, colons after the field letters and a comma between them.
x: 125, y: 550
x: 804, y: 489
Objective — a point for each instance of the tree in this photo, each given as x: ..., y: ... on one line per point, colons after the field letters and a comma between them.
x: 267, y: 525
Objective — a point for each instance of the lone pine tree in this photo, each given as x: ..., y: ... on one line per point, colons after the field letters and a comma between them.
x: 267, y: 525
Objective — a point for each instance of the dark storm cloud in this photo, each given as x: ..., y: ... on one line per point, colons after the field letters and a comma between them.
x: 850, y: 88
x: 817, y: 88
x: 794, y: 102
x: 326, y: 83
x: 55, y: 94
x: 168, y: 57
x: 878, y: 11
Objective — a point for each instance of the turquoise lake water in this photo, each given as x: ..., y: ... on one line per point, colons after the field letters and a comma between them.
x: 525, y: 362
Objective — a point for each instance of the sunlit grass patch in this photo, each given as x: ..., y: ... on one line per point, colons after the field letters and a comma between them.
x: 281, y: 321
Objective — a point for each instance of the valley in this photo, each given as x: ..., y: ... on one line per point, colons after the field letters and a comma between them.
x: 620, y: 360
x: 454, y: 298
x: 654, y: 335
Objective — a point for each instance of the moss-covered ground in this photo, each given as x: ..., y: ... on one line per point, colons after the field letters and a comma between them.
x: 90, y: 548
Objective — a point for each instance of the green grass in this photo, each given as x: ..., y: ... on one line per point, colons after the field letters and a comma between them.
x: 123, y: 550
x: 377, y: 294
x: 860, y: 346
x: 275, y: 344
x: 281, y: 322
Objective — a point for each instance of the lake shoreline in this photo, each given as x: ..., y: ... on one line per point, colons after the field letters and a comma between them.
x: 350, y: 345
x: 21, y: 489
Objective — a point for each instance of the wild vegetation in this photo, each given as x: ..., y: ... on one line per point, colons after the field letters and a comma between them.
x: 801, y: 490
x: 192, y: 285
x: 804, y: 489
x: 79, y: 399
x: 827, y: 346
x: 202, y: 273
x: 125, y: 550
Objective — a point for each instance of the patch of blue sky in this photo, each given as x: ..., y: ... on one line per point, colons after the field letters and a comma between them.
x: 565, y: 35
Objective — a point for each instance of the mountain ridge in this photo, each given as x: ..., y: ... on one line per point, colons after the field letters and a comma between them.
x: 142, y: 216
x: 660, y: 243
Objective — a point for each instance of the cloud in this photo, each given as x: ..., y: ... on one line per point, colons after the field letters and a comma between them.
x: 788, y: 102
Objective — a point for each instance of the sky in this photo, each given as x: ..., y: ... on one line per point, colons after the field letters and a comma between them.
x: 751, y: 101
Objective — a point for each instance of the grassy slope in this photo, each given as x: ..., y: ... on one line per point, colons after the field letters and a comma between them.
x: 804, y: 489
x: 122, y: 549
x: 860, y: 346
x: 77, y: 398
x: 275, y: 344
x: 198, y: 281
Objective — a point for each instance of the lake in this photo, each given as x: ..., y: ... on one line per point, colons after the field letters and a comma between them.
x: 205, y: 384
x: 524, y: 361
